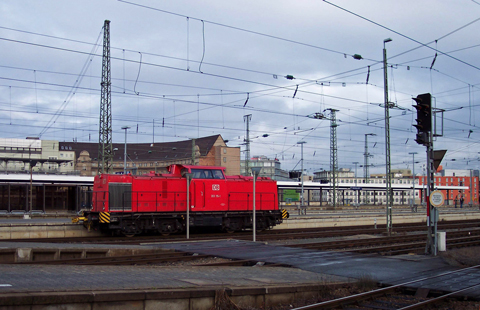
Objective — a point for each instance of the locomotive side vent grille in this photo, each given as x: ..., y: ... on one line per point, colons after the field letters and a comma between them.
x: 120, y: 196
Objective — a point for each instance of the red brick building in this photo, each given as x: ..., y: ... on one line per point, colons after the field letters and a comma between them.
x: 467, y: 178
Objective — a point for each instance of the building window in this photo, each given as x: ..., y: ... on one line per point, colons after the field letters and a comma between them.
x: 224, y: 159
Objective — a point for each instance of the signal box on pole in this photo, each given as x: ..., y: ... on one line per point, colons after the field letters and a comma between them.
x: 424, y: 118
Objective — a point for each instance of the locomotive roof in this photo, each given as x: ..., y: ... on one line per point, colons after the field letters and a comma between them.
x: 189, y: 167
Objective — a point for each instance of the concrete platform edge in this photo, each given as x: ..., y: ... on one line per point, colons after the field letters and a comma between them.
x: 175, y: 299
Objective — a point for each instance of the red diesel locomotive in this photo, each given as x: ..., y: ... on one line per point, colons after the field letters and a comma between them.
x: 129, y: 204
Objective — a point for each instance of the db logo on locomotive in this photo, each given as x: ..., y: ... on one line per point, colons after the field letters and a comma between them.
x: 215, y: 187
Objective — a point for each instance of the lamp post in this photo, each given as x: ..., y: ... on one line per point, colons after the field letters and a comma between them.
x: 255, y: 173
x: 32, y: 164
x: 301, y: 174
x: 413, y: 173
x: 188, y: 175
x: 356, y: 188
x: 388, y: 187
x: 125, y: 154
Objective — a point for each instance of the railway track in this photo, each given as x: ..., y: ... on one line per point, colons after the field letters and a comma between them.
x: 138, y: 259
x: 393, y: 245
x: 410, y: 239
x: 395, y: 297
x: 268, y: 235
x: 150, y: 259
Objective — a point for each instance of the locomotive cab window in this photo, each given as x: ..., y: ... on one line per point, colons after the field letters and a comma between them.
x: 206, y: 174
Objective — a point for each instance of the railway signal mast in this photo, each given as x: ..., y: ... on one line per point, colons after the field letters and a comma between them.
x: 425, y: 137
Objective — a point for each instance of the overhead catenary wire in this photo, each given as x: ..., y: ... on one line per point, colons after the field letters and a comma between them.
x: 140, y: 52
x: 298, y: 96
x: 73, y: 88
x: 235, y: 28
x: 401, y: 34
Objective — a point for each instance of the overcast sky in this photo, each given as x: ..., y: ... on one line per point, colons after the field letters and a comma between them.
x: 185, y: 69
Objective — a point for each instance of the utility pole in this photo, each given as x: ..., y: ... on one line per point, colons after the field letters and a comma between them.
x: 105, y: 146
x: 388, y: 174
x: 302, y: 203
x: 333, y: 156
x: 471, y: 188
x: 193, y: 152
x: 356, y: 187
x: 425, y: 137
x: 247, y: 119
x: 125, y: 151
x: 413, y: 187
x: 366, y: 165
x: 431, y: 210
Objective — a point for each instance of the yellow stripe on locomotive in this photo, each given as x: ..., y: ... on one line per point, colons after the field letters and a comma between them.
x: 104, y: 217
x: 285, y: 214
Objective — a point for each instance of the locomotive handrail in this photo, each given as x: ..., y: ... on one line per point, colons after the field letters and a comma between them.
x: 131, y: 199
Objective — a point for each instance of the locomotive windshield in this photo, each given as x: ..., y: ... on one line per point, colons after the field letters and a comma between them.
x: 207, y: 174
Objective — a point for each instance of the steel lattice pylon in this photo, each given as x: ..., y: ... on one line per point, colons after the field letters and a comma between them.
x: 105, y: 147
x: 333, y: 156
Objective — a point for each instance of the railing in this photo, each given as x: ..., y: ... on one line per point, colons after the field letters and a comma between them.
x: 146, y: 201
x: 154, y: 201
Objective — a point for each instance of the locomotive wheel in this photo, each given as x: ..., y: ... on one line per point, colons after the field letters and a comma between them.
x: 167, y: 228
x: 261, y: 225
x: 128, y: 235
x: 229, y: 230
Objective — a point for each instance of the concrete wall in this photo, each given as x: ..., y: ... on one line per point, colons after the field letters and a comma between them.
x: 45, y: 230
x: 360, y: 220
x: 26, y: 254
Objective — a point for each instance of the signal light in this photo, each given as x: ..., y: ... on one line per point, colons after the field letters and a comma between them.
x: 424, y: 118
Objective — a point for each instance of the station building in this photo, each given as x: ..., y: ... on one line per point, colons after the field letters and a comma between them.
x: 457, y: 177
x: 359, y: 193
x: 145, y: 157
x: 271, y: 168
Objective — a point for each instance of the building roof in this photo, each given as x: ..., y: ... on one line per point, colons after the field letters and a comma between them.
x: 146, y: 151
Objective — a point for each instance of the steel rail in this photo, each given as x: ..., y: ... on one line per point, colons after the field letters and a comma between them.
x: 380, y: 292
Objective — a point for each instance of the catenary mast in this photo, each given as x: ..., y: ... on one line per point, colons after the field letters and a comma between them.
x: 105, y: 146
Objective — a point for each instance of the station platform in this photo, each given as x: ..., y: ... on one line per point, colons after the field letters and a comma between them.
x: 150, y: 287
